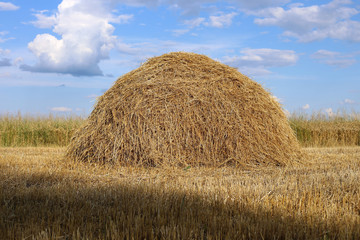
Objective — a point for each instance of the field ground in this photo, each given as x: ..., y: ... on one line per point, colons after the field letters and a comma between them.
x: 44, y: 196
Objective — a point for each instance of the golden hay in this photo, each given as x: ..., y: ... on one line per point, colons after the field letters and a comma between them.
x: 186, y: 109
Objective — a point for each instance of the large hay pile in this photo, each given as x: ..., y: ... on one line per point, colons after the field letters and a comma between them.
x: 186, y: 109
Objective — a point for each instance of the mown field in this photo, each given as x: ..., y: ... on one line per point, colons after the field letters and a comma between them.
x: 43, y: 195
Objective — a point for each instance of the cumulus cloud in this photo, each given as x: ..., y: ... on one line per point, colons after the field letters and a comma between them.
x: 4, y: 61
x: 329, y: 112
x: 191, y: 7
x: 306, y: 106
x: 7, y: 6
x: 258, y: 61
x: 219, y: 21
x: 187, y: 7
x: 43, y: 20
x: 18, y: 61
x: 179, y: 32
x: 331, y: 20
x: 279, y: 100
x: 4, y: 52
x: 61, y: 109
x: 349, y: 101
x: 222, y: 20
x: 2, y: 39
x: 258, y: 4
x: 196, y: 22
x: 86, y: 38
x: 336, y: 59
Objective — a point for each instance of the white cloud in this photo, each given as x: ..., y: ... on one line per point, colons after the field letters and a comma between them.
x: 349, y: 101
x: 4, y: 52
x: 188, y: 7
x: 5, y: 75
x: 196, y: 22
x: 306, y: 106
x: 332, y: 20
x: 3, y: 33
x: 279, y: 100
x: 258, y: 4
x: 179, y: 32
x: 220, y: 21
x: 7, y: 6
x: 86, y: 38
x: 61, y: 109
x: 4, y: 61
x: 191, y: 7
x: 122, y: 19
x: 18, y: 60
x: 335, y: 58
x: 44, y: 21
x: 329, y: 112
x: 257, y: 61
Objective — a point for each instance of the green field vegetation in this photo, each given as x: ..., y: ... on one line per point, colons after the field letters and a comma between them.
x: 316, y: 130
x: 21, y: 131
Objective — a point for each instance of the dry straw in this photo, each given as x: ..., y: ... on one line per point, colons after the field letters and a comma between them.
x: 185, y: 109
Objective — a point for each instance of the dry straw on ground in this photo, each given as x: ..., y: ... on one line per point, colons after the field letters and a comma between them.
x: 186, y: 109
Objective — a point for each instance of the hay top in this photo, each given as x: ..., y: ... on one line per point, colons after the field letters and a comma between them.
x: 186, y: 109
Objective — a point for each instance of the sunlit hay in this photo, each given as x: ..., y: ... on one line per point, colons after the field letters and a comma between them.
x: 185, y: 109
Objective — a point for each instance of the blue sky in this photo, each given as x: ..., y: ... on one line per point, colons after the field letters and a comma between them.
x: 58, y: 56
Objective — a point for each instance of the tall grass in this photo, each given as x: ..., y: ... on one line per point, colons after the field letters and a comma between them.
x: 316, y: 130
x: 319, y: 130
x: 20, y: 131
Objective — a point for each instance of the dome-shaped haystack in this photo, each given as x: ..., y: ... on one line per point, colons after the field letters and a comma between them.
x: 186, y: 109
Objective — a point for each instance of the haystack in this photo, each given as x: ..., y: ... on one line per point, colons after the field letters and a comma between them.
x: 186, y: 109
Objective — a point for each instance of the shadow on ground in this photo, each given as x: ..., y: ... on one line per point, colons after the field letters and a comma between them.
x: 40, y: 206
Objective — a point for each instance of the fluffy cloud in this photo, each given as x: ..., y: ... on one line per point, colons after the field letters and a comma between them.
x: 218, y: 21
x: 306, y: 106
x: 329, y: 112
x: 7, y: 6
x: 191, y: 7
x: 4, y: 39
x: 187, y: 7
x: 222, y: 20
x: 4, y: 52
x: 257, y: 61
x: 196, y: 22
x: 86, y: 38
x: 61, y: 109
x: 43, y: 20
x: 332, y: 20
x: 4, y: 61
x: 349, y: 101
x: 279, y: 100
x: 179, y: 32
x: 258, y: 4
x: 334, y: 58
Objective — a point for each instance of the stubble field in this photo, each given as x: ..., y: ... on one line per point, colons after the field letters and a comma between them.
x: 45, y: 196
